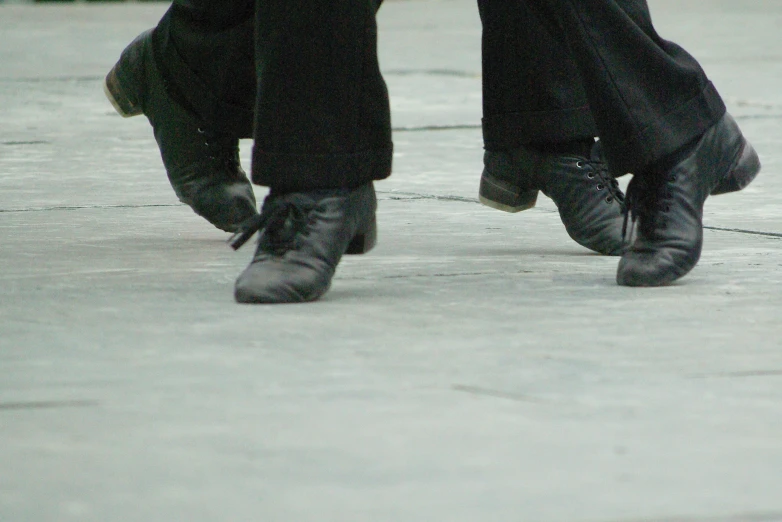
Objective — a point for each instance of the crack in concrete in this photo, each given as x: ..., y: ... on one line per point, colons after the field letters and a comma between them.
x: 488, y: 392
x: 85, y: 207
x: 439, y: 274
x: 743, y: 231
x: 53, y: 79
x: 423, y: 128
x: 432, y: 72
x: 418, y: 195
x: 45, y: 405
x: 746, y: 373
x: 392, y: 195
x: 453, y: 73
x: 759, y: 117
x: 477, y: 126
x: 31, y: 142
x: 741, y: 517
x: 741, y: 102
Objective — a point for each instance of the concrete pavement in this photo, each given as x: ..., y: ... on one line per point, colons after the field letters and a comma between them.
x: 476, y: 366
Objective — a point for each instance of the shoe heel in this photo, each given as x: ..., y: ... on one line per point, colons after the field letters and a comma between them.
x: 119, y: 100
x: 364, y: 241
x: 742, y: 173
x: 496, y: 194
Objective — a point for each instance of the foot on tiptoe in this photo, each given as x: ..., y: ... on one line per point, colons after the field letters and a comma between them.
x: 588, y: 198
x: 668, y: 205
x: 202, y: 166
x: 301, y: 239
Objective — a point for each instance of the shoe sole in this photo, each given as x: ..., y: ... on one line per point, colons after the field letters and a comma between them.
x: 741, y: 174
x: 121, y: 102
x: 501, y: 196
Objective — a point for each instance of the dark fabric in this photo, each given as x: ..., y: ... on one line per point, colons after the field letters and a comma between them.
x: 532, y: 89
x: 299, y: 77
x: 204, y: 48
x: 322, y: 105
x: 323, y: 121
x: 648, y: 96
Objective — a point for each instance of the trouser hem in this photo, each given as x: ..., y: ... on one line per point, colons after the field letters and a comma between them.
x: 513, y: 130
x: 669, y: 133
x: 304, y: 172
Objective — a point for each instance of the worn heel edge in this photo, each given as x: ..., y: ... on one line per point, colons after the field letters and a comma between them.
x: 743, y: 172
x: 506, y: 208
x: 118, y: 100
x: 364, y: 241
x: 493, y: 194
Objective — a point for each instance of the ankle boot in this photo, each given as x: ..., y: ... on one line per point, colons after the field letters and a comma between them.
x: 202, y: 166
x: 588, y: 198
x: 668, y: 205
x: 302, y: 237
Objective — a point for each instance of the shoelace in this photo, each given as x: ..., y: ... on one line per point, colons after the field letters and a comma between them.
x: 599, y: 170
x: 272, y: 221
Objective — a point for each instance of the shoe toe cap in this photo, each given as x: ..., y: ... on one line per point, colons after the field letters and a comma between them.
x: 278, y: 281
x: 650, y: 269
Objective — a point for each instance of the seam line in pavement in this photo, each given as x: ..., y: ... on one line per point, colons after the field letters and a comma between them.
x: 743, y: 517
x: 42, y: 405
x: 390, y: 194
x: 84, y: 207
x: 431, y: 72
x: 746, y: 373
x: 53, y: 79
x: 390, y: 72
x: 465, y: 126
x: 742, y: 231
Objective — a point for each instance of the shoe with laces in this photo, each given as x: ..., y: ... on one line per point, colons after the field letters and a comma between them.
x: 668, y: 206
x: 301, y: 239
x: 203, y: 167
x: 588, y: 198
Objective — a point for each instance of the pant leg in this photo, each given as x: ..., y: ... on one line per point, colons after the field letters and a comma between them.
x: 322, y: 116
x: 531, y: 87
x: 204, y: 48
x: 648, y: 96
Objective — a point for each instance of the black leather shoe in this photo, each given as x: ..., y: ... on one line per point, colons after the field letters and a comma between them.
x: 203, y: 167
x: 588, y: 198
x: 302, y: 238
x: 669, y: 206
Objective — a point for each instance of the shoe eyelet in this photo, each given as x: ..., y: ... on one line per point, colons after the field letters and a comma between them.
x: 201, y: 131
x: 580, y: 164
x: 600, y: 186
x: 591, y: 175
x: 609, y: 199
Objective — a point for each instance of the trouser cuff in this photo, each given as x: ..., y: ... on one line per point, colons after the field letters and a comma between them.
x: 299, y: 172
x: 668, y: 134
x: 513, y: 130
x: 194, y: 94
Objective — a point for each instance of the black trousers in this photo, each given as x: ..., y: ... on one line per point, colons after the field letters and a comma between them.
x: 554, y: 70
x: 532, y: 90
x: 647, y: 96
x: 300, y: 77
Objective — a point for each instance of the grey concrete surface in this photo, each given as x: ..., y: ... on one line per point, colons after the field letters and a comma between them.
x: 477, y: 366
